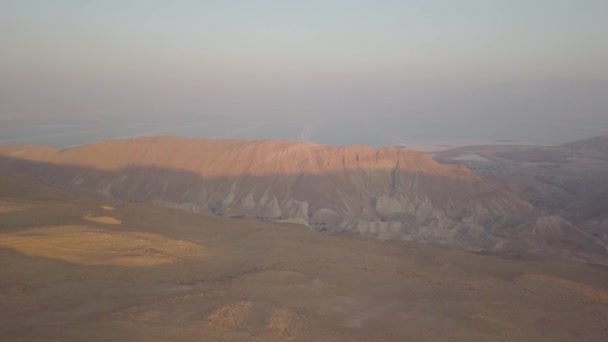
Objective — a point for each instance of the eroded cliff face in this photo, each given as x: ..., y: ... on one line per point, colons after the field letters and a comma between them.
x: 387, y: 193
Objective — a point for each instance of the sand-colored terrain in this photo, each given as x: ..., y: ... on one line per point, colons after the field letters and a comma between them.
x: 91, y: 246
x: 168, y: 275
x: 8, y: 207
x: 102, y: 219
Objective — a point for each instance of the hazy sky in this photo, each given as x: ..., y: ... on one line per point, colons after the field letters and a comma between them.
x: 283, y: 57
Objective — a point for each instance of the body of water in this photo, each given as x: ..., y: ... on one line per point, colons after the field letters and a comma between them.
x: 366, y: 131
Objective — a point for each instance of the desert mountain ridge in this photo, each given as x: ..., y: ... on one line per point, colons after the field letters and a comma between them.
x: 386, y: 193
x: 220, y: 158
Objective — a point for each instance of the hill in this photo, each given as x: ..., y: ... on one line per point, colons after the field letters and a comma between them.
x: 387, y: 193
x: 597, y: 146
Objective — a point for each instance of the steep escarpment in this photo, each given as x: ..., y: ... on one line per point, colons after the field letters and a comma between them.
x: 387, y: 193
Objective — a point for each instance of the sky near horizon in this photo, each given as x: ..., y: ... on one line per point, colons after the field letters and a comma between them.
x: 68, y: 57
